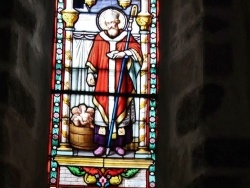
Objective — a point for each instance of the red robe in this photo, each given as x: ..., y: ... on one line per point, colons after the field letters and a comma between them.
x: 98, y: 62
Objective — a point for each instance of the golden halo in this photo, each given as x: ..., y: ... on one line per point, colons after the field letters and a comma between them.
x: 101, y: 21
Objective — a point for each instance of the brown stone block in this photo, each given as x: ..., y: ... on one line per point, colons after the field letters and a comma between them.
x: 24, y: 17
x: 205, y: 181
x: 218, y: 59
x: 227, y: 152
x: 10, y: 176
x: 4, y: 94
x: 196, y: 106
x: 217, y: 3
x: 5, y: 46
x: 22, y: 101
x: 6, y: 9
x: 214, y: 24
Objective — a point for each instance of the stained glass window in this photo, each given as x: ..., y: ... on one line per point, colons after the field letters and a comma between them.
x: 104, y: 94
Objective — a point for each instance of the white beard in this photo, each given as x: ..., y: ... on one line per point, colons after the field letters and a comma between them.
x: 113, y: 32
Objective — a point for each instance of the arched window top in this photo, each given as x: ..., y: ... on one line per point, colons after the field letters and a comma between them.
x: 104, y: 94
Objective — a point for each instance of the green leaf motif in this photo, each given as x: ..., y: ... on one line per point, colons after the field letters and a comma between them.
x: 76, y: 171
x: 129, y: 173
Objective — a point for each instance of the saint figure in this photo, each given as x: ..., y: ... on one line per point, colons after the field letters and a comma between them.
x: 104, y: 69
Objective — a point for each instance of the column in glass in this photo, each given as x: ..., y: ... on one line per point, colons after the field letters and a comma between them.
x: 143, y: 20
x: 70, y: 16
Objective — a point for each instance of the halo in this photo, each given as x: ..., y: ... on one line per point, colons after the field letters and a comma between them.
x: 101, y: 21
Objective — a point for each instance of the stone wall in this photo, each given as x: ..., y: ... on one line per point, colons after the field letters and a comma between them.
x: 205, y: 89
x: 26, y: 29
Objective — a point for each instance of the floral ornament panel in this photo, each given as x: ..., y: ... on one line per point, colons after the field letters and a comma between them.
x: 103, y: 130
x: 102, y: 177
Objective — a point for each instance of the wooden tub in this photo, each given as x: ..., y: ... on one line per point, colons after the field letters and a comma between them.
x: 81, y: 137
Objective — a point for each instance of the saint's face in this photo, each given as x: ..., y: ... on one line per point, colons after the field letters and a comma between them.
x: 112, y: 24
x: 113, y: 28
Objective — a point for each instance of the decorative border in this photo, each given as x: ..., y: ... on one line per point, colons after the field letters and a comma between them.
x: 56, y: 98
x: 153, y: 89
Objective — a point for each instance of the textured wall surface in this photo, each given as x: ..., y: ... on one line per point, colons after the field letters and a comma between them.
x: 26, y: 29
x: 205, y: 88
x: 204, y: 132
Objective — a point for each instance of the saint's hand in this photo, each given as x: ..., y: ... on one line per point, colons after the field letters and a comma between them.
x: 119, y: 55
x: 116, y: 54
x: 90, y: 79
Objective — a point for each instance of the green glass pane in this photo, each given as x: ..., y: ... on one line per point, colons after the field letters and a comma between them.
x: 151, y: 178
x: 153, y: 29
x: 59, y: 16
x: 58, y: 56
x: 53, y: 164
x: 56, y: 109
x: 58, y: 77
x: 55, y: 120
x: 153, y: 50
x: 59, y: 36
x: 56, y: 99
x: 153, y: 70
x: 60, y: 5
x: 153, y: 81
x: 152, y: 125
x: 60, y: 25
x: 59, y: 46
x: 153, y: 40
x: 152, y: 168
x: 153, y: 91
x: 153, y: 156
x: 58, y: 87
x: 52, y: 174
x: 54, y: 142
x: 152, y: 113
x: 153, y: 61
x: 58, y: 66
x: 152, y: 146
x: 153, y: 103
x: 153, y: 10
x: 53, y: 152
x: 152, y: 135
x: 55, y: 130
